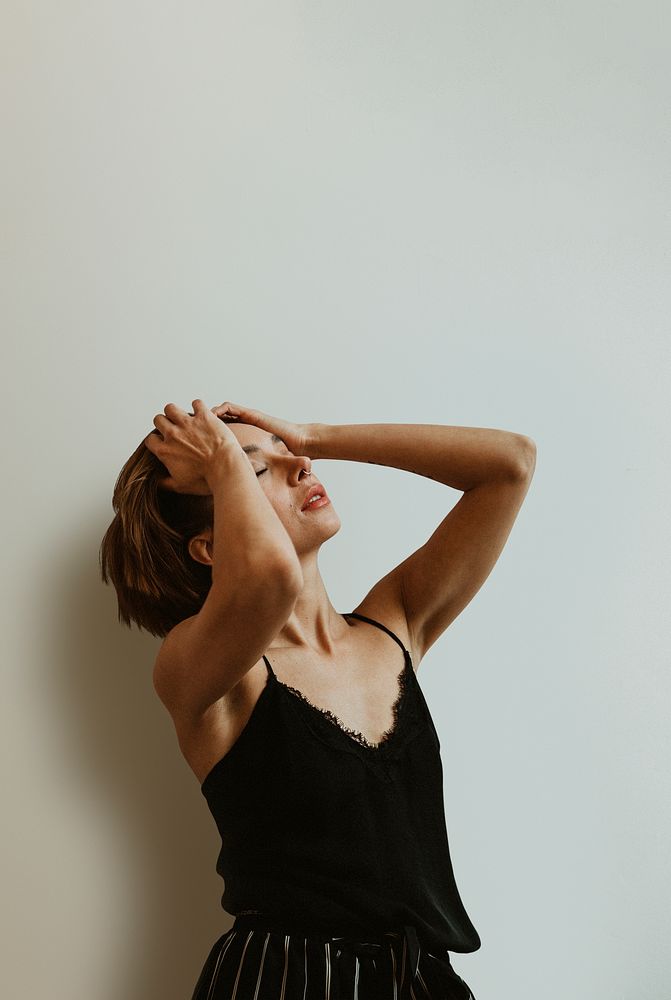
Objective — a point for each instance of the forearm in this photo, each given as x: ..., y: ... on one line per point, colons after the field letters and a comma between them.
x: 460, y: 457
x: 248, y: 536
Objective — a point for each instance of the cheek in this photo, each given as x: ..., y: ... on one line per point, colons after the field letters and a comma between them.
x: 281, y: 504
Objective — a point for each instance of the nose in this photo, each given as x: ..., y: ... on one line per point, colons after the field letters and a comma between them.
x: 301, y: 468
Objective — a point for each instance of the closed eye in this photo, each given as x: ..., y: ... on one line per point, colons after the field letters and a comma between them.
x: 261, y: 471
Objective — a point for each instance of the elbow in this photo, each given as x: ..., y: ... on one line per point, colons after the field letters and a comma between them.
x: 526, y: 457
x: 289, y: 574
x: 280, y: 571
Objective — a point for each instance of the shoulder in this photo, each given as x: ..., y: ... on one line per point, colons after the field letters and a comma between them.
x: 385, y: 606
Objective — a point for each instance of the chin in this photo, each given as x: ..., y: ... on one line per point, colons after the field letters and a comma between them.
x: 329, y: 529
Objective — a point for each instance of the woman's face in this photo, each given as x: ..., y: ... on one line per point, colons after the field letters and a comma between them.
x: 284, y: 479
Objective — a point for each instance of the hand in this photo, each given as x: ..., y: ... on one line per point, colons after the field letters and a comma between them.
x: 297, y: 437
x: 188, y: 444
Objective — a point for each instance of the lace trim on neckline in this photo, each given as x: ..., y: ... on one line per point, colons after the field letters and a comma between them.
x: 354, y: 734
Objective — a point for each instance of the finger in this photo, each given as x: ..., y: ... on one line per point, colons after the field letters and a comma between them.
x: 174, y: 412
x: 151, y: 440
x: 227, y: 411
x: 162, y: 423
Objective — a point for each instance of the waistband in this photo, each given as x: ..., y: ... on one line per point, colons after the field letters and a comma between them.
x: 355, y: 942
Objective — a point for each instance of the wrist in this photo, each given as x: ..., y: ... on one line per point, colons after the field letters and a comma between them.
x: 224, y: 461
x: 314, y: 438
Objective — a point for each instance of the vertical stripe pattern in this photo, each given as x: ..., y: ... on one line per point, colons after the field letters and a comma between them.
x: 257, y: 963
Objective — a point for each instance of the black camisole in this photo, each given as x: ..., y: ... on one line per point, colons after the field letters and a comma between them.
x: 322, y: 829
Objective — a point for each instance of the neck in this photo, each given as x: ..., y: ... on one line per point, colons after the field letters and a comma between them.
x: 314, y: 623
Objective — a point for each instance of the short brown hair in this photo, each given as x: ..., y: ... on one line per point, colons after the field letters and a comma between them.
x: 144, y: 552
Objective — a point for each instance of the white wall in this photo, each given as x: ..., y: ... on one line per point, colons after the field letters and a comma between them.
x: 348, y: 213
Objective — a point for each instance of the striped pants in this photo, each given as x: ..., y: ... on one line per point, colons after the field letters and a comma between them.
x: 251, y: 961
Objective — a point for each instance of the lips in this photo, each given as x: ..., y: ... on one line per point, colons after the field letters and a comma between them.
x: 314, y: 489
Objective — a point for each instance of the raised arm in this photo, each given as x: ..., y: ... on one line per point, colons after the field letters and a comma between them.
x: 256, y: 575
x: 493, y: 468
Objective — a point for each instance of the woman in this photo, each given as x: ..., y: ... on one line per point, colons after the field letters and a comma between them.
x: 306, y: 729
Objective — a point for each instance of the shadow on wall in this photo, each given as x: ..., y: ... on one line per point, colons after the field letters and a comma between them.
x: 161, y: 842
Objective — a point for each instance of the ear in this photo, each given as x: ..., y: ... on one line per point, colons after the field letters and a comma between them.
x: 201, y: 548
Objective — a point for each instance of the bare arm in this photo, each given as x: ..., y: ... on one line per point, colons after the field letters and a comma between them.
x: 248, y: 536
x: 494, y: 469
x: 460, y: 457
x: 256, y: 576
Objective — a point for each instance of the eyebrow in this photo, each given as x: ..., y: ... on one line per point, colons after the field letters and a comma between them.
x: 249, y: 448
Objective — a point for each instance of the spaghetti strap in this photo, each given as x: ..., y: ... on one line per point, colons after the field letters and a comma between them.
x: 270, y: 669
x: 353, y: 614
